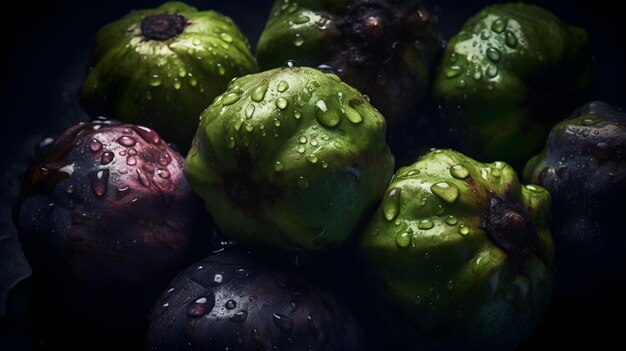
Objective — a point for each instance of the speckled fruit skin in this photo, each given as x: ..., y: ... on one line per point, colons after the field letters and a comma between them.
x: 384, y: 48
x: 106, y: 218
x: 583, y: 166
x: 508, y: 75
x: 239, y: 301
x: 290, y: 158
x: 165, y: 84
x: 447, y: 272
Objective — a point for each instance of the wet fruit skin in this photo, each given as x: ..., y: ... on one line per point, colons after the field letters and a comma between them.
x: 508, y: 75
x: 235, y: 301
x: 385, y: 49
x: 162, y: 67
x: 461, y: 253
x: 105, y: 219
x: 583, y: 167
x: 290, y: 158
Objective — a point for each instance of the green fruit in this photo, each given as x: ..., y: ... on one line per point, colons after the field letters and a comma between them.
x: 461, y: 251
x: 510, y: 72
x: 290, y: 158
x: 162, y: 67
x: 384, y: 48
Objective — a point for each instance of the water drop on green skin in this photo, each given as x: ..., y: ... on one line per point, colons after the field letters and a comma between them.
x: 493, y: 54
x: 451, y: 220
x: 281, y: 103
x: 403, y: 240
x: 391, y: 204
x: 447, y: 192
x: 326, y: 117
x: 249, y: 111
x: 463, y: 229
x: 499, y: 25
x: 278, y: 167
x: 453, y: 71
x: 298, y: 40
x: 301, y: 19
x: 259, y: 93
x: 459, y: 171
x: 510, y: 39
x: 425, y: 224
x: 226, y: 37
x: 282, y: 86
x: 312, y: 159
x: 230, y: 99
x: 155, y: 80
x: 492, y: 71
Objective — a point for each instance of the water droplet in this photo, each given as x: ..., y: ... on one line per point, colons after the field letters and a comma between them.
x: 282, y: 86
x: 281, y: 103
x: 155, y: 80
x: 218, y: 278
x: 463, y: 229
x: 259, y: 93
x: 127, y: 141
x: 425, y: 224
x: 239, y: 316
x: 163, y: 173
x: 510, y: 39
x: 325, y: 117
x: 181, y: 72
x: 176, y: 84
x: 143, y: 178
x: 324, y: 164
x: 536, y: 189
x: 314, y: 142
x: 391, y: 204
x: 164, y: 159
x: 297, y: 115
x: 499, y: 25
x: 445, y: 191
x: 231, y: 142
x: 404, y: 239
x: 302, y: 139
x: 220, y: 69
x: 353, y: 115
x: 459, y: 171
x: 230, y: 98
x: 493, y: 54
x: 302, y: 183
x: 590, y: 121
x: 201, y: 306
x: 249, y: 111
x: 192, y: 80
x: 95, y: 145
x: 451, y: 220
x: 147, y: 134
x: 450, y: 285
x: 249, y: 127
x: 453, y: 71
x: 478, y: 73
x: 99, y: 181
x: 301, y: 19
x: 230, y: 304
x: 122, y: 192
x: 226, y: 37
x: 195, y: 41
x: 298, y: 40
x: 282, y: 322
x: 300, y: 149
x: 278, y: 167
x: 492, y: 71
x: 291, y: 64
x: 312, y: 159
x: 106, y: 158
x: 131, y: 160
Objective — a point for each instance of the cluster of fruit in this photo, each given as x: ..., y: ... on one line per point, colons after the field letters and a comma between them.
x: 291, y: 159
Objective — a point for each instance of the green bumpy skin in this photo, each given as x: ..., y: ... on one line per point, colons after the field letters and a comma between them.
x: 165, y: 84
x: 290, y: 158
x: 510, y: 72
x: 435, y: 260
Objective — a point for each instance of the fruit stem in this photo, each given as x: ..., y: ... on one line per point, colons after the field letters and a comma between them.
x: 162, y: 26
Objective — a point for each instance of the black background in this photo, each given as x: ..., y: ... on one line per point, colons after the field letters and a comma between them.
x: 44, y: 60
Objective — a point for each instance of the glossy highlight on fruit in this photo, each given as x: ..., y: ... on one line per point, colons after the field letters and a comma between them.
x: 384, y: 48
x: 461, y: 252
x: 233, y: 300
x: 583, y: 166
x: 106, y: 218
x: 162, y: 67
x: 290, y: 158
x: 506, y: 77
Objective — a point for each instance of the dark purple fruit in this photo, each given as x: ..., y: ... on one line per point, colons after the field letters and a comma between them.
x: 229, y: 301
x: 106, y: 218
